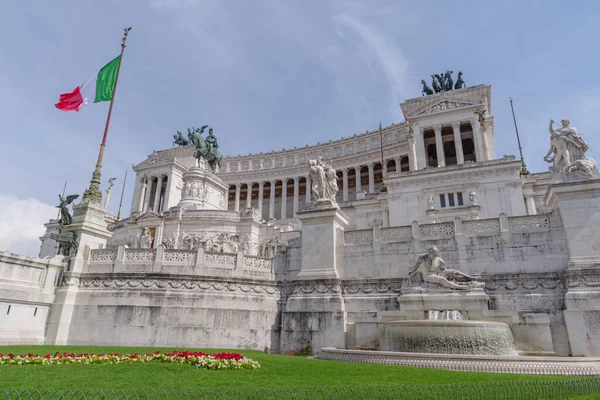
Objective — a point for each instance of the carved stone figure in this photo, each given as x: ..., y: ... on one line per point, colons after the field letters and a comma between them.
x: 180, y: 140
x: 433, y: 270
x: 460, y: 83
x: 172, y: 242
x: 473, y: 199
x: 430, y: 203
x: 270, y: 248
x: 426, y: 89
x: 586, y: 166
x: 323, y: 179
x: 65, y: 216
x: 569, y: 150
x: 145, y: 239
x: 249, y: 212
x: 411, y: 130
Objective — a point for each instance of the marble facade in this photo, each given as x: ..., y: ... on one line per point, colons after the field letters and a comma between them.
x: 265, y: 254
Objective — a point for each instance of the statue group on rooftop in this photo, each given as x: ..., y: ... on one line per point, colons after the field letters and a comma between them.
x: 567, y: 150
x: 442, y: 83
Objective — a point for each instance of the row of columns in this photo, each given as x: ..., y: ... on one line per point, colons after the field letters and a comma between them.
x: 249, y: 186
x: 296, y: 194
x: 479, y: 140
x: 148, y: 184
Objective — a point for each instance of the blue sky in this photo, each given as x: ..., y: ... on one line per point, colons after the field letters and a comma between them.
x: 268, y: 74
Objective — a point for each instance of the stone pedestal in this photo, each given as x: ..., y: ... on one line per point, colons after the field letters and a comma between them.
x: 202, y: 190
x: 415, y: 303
x: 322, y: 242
x: 92, y: 233
x: 314, y: 314
x: 578, y: 202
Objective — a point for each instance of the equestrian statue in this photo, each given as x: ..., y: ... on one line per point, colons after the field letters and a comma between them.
x: 206, y: 148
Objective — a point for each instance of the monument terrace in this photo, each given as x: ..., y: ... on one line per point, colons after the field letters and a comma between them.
x: 415, y: 238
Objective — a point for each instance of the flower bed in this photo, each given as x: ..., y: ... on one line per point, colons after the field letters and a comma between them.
x: 197, y: 359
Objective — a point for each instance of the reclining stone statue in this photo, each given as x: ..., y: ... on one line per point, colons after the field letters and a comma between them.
x: 433, y: 270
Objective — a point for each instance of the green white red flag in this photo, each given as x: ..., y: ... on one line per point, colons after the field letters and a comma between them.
x: 98, y: 87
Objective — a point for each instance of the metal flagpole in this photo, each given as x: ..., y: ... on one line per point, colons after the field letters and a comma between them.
x: 381, y: 147
x: 93, y: 193
x: 523, y: 167
x: 121, y: 202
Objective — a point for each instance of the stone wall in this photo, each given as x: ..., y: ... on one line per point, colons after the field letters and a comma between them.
x: 504, y: 245
x: 521, y: 259
x: 27, y: 287
x: 160, y: 297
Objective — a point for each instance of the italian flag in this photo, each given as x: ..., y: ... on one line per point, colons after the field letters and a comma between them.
x: 98, y: 87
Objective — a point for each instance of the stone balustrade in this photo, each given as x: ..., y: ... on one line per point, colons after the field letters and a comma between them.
x: 445, y: 230
x: 161, y: 260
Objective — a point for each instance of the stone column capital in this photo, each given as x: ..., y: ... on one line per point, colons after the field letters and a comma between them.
x: 456, y: 125
x: 261, y: 184
x: 437, y: 128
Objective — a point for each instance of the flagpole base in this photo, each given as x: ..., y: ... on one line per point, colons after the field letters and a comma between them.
x: 93, y: 193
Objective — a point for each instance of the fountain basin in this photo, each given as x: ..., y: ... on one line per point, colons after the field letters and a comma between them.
x: 449, y: 337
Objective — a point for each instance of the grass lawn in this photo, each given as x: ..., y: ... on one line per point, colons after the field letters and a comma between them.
x: 275, y: 371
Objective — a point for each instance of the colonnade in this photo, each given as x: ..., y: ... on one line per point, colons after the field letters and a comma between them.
x: 448, y: 144
x: 296, y: 191
x: 154, y: 193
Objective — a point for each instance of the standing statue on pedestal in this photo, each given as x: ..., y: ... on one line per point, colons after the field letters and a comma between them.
x: 65, y: 216
x: 145, y: 239
x: 67, y: 242
x: 206, y: 148
x: 569, y: 149
x: 433, y: 270
x: 323, y: 180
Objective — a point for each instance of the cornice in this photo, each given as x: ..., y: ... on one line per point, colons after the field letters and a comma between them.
x: 464, y: 171
x: 473, y: 93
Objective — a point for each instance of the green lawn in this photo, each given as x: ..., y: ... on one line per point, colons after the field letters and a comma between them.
x: 275, y: 371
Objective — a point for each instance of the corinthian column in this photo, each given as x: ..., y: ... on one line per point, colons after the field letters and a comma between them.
x: 142, y: 194
x: 439, y: 146
x: 236, y: 204
x: 284, y: 198
x: 345, y: 177
x: 261, y: 187
x: 296, y: 194
x: 272, y: 201
x: 371, y: 178
x: 249, y: 195
x: 148, y: 194
x: 460, y: 155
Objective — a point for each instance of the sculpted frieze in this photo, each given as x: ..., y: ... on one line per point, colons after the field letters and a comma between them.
x: 444, y: 105
x: 372, y: 288
x: 201, y: 286
x: 217, y: 242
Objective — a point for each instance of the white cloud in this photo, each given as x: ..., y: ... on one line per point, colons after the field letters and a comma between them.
x: 391, y: 59
x: 22, y: 223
